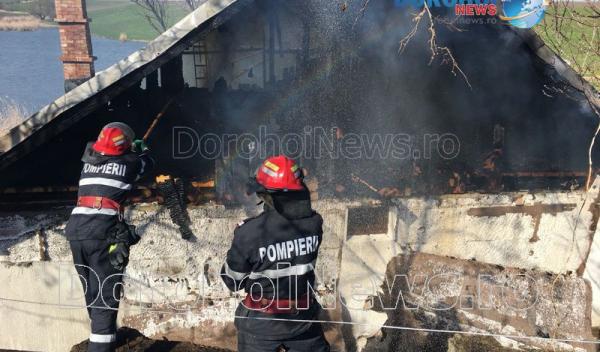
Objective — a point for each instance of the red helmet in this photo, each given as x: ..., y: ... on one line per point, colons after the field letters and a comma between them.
x: 280, y: 173
x: 114, y: 139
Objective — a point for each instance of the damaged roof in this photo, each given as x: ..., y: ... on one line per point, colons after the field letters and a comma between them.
x: 108, y: 84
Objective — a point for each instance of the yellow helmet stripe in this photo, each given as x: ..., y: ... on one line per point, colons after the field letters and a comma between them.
x: 118, y: 138
x: 271, y: 166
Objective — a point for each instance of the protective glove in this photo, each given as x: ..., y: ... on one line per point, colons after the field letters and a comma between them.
x: 124, y: 233
x: 139, y: 146
x: 118, y: 254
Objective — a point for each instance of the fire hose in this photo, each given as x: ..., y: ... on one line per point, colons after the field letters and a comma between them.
x: 157, y: 119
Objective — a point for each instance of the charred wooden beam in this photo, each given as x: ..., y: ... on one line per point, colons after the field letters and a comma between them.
x: 543, y: 174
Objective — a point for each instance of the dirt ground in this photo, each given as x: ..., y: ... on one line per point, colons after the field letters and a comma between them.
x: 129, y: 340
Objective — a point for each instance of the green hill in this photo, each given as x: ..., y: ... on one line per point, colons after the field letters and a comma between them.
x: 110, y: 18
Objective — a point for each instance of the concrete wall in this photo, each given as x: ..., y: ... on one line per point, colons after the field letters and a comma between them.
x: 55, y: 321
x: 173, y: 285
x: 547, y: 232
x: 165, y: 271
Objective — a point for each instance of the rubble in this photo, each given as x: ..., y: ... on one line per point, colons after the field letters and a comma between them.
x: 535, y: 310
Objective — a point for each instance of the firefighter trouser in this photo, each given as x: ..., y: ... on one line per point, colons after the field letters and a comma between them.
x: 102, y: 287
x: 311, y: 341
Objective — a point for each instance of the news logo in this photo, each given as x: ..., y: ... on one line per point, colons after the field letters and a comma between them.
x: 523, y: 13
x: 518, y: 13
x: 461, y: 7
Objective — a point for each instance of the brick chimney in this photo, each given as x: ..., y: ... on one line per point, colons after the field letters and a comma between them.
x: 75, y: 42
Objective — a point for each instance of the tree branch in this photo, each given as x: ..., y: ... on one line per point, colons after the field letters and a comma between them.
x: 156, y: 13
x: 447, y: 58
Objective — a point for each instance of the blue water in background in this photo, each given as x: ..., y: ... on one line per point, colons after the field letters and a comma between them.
x: 31, y: 72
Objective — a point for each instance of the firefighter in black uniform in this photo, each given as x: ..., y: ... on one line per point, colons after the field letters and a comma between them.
x: 97, y: 234
x: 273, y: 258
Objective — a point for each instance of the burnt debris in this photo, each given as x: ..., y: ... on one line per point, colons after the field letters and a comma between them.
x: 173, y: 192
x: 339, y: 75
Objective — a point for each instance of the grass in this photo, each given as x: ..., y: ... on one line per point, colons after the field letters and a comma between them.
x: 11, y: 114
x: 95, y: 5
x: 19, y: 23
x: 10, y: 21
x: 576, y: 42
x: 14, y: 5
x: 112, y: 18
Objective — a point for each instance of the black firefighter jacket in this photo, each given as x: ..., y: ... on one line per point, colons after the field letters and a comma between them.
x: 275, y: 253
x: 104, y: 176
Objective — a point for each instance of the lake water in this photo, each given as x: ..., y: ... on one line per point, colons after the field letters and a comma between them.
x: 31, y: 72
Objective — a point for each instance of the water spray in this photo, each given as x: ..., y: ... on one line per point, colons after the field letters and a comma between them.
x: 172, y: 189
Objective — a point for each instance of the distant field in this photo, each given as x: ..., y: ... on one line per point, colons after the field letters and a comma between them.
x: 94, y: 5
x: 14, y: 5
x: 110, y: 18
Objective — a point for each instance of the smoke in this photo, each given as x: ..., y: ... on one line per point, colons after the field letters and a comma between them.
x: 337, y: 65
